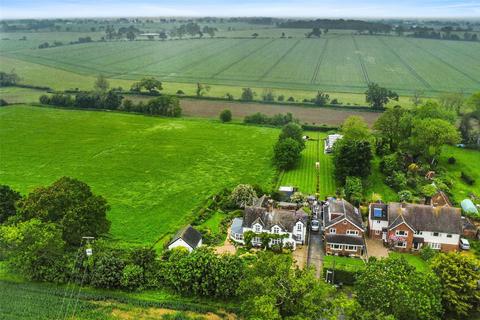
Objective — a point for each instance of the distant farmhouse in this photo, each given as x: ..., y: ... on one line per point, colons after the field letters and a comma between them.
x: 188, y: 238
x: 344, y: 229
x: 409, y: 227
x: 268, y: 216
x: 330, y: 142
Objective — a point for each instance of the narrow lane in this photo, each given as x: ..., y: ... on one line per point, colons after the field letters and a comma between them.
x: 315, y: 252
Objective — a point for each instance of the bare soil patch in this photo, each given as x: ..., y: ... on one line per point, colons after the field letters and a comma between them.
x: 310, y: 115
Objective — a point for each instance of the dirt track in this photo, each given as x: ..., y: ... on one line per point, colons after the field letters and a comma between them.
x: 211, y: 109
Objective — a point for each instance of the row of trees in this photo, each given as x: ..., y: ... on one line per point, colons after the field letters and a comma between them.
x: 103, y: 98
x: 275, y: 120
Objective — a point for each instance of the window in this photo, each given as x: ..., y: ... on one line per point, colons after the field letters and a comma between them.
x: 258, y: 228
x: 256, y: 240
x: 238, y: 236
x: 299, y: 227
x: 449, y: 235
x: 276, y: 241
x: 377, y: 232
x: 350, y: 248
x: 417, y: 232
x: 378, y: 221
x: 435, y: 246
x: 352, y: 232
x: 401, y: 233
x: 276, y: 230
x: 335, y: 246
x: 401, y: 244
x: 333, y: 230
x: 344, y: 221
x: 435, y: 234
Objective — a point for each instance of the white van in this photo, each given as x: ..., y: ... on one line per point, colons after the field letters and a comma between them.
x: 464, y: 244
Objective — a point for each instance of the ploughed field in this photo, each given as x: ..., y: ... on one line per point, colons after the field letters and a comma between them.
x: 153, y: 171
x: 335, y: 62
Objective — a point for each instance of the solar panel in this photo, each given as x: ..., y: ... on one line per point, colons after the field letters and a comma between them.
x: 377, y: 212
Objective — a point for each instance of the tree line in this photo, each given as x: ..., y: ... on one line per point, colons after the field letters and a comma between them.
x: 111, y: 99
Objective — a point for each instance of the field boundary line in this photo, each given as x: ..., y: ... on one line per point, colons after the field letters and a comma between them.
x: 443, y: 61
x: 182, y: 53
x: 362, y: 64
x: 242, y: 58
x: 279, y: 60
x: 405, y: 64
x: 321, y: 57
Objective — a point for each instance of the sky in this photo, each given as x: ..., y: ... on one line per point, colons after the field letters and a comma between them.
x: 11, y: 9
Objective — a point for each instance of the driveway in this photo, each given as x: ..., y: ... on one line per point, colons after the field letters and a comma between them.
x: 375, y: 248
x: 315, y: 252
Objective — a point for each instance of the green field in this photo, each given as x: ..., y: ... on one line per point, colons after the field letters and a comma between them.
x: 153, y: 171
x: 304, y: 175
x: 338, y: 62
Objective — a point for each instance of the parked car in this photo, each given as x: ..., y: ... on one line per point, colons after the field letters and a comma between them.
x: 464, y: 244
x: 315, y: 225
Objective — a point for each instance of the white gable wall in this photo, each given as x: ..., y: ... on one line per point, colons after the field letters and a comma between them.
x: 180, y: 243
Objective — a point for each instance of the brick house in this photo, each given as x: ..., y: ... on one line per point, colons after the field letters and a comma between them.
x: 408, y: 227
x: 344, y: 229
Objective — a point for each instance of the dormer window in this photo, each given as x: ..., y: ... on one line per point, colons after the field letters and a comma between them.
x: 276, y: 230
x: 299, y: 227
x: 258, y: 228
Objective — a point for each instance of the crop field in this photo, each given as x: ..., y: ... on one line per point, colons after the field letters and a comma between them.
x: 152, y: 171
x: 338, y: 62
x: 304, y: 176
x: 46, y: 301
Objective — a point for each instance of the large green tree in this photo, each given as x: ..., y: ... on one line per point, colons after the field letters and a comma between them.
x: 459, y: 278
x: 389, y: 127
x: 286, y: 153
x: 378, y: 96
x: 429, y: 135
x: 8, y: 200
x: 71, y: 204
x: 272, y: 289
x: 355, y: 128
x: 393, y: 286
x: 243, y: 195
x: 352, y: 158
x: 433, y: 110
x: 294, y: 131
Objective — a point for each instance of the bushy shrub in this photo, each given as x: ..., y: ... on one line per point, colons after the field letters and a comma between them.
x: 291, y: 99
x: 3, y: 102
x: 281, y: 98
x: 132, y: 277
x: 427, y: 253
x: 180, y: 92
x: 226, y: 115
x: 467, y: 178
x: 405, y: 196
x: 108, y: 271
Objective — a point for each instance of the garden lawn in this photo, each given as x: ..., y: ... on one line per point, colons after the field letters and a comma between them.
x: 345, y: 263
x: 304, y: 175
x: 467, y: 161
x: 414, y: 260
x: 375, y: 185
x: 152, y: 171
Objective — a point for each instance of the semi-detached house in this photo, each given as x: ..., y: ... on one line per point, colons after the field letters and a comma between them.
x: 409, y: 227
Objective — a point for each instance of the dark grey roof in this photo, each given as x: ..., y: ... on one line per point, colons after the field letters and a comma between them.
x: 285, y: 219
x: 425, y: 217
x: 345, y: 239
x: 418, y: 240
x: 341, y: 206
x: 188, y: 234
x: 382, y: 206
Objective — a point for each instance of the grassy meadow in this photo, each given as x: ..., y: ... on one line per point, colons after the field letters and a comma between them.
x: 304, y: 175
x: 153, y: 171
x: 337, y: 62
